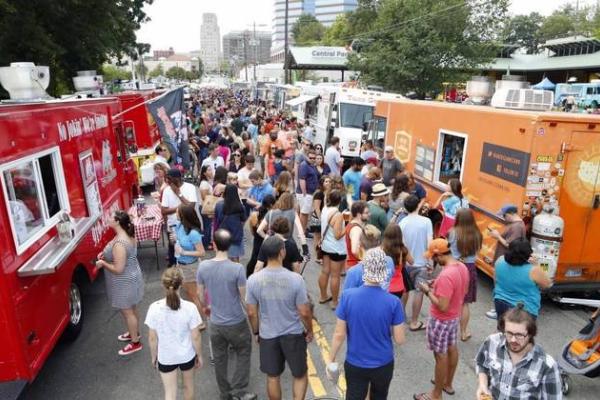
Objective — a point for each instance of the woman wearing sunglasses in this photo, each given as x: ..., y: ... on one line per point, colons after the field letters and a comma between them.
x: 236, y: 162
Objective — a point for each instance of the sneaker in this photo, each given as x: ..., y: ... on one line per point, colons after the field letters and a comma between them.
x: 491, y: 314
x: 130, y: 348
x: 245, y: 396
x: 309, y: 235
x: 124, y: 337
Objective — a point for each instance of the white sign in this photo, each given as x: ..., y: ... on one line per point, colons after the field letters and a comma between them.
x: 329, y: 53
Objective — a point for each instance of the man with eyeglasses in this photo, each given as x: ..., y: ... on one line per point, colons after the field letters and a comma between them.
x: 511, y: 366
x: 308, y: 183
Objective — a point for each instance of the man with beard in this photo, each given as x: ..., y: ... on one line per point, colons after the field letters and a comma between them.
x: 446, y: 294
x: 511, y: 366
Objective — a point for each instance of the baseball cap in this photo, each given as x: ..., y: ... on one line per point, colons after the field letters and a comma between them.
x: 389, y: 148
x: 436, y: 247
x: 508, y: 209
x: 174, y: 173
x: 374, y: 266
x: 379, y: 189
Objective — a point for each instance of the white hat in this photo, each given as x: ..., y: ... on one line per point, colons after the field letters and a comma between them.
x: 389, y: 148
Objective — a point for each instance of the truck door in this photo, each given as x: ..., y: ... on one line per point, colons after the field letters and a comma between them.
x: 581, y: 204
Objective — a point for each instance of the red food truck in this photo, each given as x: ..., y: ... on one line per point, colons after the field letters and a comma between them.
x: 141, y: 132
x: 64, y: 169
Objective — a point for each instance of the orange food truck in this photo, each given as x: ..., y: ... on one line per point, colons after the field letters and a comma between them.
x: 529, y: 159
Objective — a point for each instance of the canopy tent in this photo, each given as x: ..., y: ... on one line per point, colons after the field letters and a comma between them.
x: 545, y: 84
x: 305, y: 98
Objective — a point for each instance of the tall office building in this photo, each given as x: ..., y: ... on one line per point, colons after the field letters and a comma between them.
x: 324, y: 10
x: 327, y: 11
x: 242, y: 47
x: 210, y: 42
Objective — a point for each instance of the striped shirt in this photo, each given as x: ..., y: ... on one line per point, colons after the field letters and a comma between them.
x: 536, y: 376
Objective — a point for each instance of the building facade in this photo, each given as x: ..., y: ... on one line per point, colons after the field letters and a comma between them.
x: 210, y: 42
x: 244, y: 47
x: 325, y: 11
x: 157, y: 54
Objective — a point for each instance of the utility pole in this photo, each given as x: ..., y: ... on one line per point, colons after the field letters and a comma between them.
x: 245, y: 55
x: 255, y: 51
x: 286, y: 44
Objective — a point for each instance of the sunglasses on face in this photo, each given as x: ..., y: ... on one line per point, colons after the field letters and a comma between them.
x: 312, y: 158
x: 237, y: 155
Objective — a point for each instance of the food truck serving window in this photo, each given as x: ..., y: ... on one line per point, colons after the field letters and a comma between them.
x: 450, y: 156
x: 35, y: 190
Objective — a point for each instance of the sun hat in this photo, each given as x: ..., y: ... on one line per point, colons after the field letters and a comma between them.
x: 379, y: 189
x: 375, y: 266
x: 437, y: 247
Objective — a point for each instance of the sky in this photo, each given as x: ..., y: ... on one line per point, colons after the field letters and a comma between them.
x: 176, y: 23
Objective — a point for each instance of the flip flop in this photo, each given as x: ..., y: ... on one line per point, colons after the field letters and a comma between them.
x: 419, y: 327
x: 448, y: 392
x: 421, y: 396
x: 327, y: 300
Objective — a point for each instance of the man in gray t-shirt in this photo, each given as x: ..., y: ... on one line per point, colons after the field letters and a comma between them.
x: 278, y: 308
x: 390, y: 166
x: 225, y: 282
x: 333, y: 157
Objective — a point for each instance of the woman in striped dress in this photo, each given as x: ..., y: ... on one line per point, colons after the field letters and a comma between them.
x: 124, y: 282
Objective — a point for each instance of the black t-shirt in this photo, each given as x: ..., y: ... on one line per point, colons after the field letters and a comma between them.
x: 292, y: 255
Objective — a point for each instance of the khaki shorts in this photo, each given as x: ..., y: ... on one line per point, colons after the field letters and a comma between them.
x: 304, y: 203
x: 189, y: 271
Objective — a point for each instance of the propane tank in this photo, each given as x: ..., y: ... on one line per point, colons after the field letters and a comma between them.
x: 546, y: 237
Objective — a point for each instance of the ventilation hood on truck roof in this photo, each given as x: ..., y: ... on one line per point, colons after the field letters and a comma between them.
x: 24, y: 81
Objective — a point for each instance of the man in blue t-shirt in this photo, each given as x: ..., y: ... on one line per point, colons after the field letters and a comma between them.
x: 368, y: 316
x: 308, y: 183
x: 352, y: 178
x: 260, y: 188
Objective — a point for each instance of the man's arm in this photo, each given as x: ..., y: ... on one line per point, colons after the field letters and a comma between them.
x: 200, y: 293
x: 551, y: 384
x: 252, y: 311
x: 242, y: 291
x: 303, y: 186
x: 307, y: 319
x: 399, y: 336
x: 339, y: 336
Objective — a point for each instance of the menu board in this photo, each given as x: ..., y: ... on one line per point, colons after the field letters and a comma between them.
x: 90, y: 183
x: 424, y: 161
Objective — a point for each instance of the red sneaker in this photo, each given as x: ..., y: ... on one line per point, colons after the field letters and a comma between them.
x: 130, y: 348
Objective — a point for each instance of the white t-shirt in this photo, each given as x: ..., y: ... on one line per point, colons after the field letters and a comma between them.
x: 417, y: 232
x: 332, y: 158
x: 244, y: 177
x: 170, y: 200
x: 213, y: 162
x: 174, y: 330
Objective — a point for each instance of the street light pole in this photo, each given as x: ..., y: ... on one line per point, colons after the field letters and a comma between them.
x: 286, y: 44
x: 245, y: 56
x: 255, y: 51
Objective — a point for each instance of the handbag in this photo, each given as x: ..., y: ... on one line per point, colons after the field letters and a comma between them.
x: 318, y: 248
x: 209, y: 204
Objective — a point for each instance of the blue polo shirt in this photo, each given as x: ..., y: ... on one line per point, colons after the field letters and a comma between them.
x: 370, y: 313
x: 352, y: 180
x: 258, y: 193
x: 310, y: 174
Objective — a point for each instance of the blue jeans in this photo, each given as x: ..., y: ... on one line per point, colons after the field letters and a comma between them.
x: 207, y: 234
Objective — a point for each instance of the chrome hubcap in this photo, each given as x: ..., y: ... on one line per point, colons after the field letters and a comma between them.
x: 74, y: 304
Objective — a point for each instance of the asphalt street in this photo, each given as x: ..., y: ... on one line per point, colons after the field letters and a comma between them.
x: 90, y: 368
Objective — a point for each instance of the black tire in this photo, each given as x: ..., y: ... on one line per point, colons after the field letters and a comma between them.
x: 76, y: 312
x: 565, y: 384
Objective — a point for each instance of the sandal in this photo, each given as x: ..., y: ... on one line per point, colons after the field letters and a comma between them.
x: 421, y: 396
x: 419, y: 327
x: 466, y: 337
x: 327, y: 300
x: 449, y: 392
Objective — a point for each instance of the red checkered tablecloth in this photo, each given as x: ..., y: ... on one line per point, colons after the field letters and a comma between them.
x: 149, y: 225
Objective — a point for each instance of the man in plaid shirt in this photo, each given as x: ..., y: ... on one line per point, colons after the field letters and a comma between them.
x: 510, y: 366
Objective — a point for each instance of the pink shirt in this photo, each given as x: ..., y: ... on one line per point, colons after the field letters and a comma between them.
x: 450, y: 284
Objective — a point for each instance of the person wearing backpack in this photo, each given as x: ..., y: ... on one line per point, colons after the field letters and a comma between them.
x: 231, y: 215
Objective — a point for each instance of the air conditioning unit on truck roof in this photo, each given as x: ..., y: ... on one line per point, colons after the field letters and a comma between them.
x: 523, y: 99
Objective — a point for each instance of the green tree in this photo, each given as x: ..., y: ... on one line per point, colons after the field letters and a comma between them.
x: 68, y: 35
x: 141, y: 71
x: 176, y: 73
x: 338, y: 33
x: 111, y: 73
x: 525, y: 30
x: 157, y: 71
x: 557, y: 25
x: 307, y: 30
x: 418, y: 44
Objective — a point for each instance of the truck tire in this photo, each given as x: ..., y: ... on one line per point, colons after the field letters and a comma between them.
x: 76, y: 314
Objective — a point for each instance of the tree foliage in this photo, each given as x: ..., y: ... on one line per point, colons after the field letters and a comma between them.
x: 69, y: 35
x: 157, y: 71
x: 525, y: 31
x: 415, y: 45
x: 307, y: 30
x: 111, y: 73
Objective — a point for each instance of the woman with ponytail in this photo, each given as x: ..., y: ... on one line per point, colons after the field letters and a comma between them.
x: 124, y: 281
x: 174, y: 336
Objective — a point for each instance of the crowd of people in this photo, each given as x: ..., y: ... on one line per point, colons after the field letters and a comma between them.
x: 375, y: 235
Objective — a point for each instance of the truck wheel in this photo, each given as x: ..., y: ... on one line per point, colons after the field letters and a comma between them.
x: 75, y: 313
x: 565, y: 384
